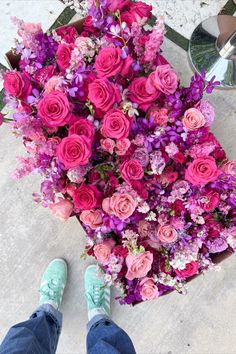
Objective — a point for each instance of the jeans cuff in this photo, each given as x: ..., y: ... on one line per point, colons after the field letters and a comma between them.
x: 52, y: 312
x: 97, y: 319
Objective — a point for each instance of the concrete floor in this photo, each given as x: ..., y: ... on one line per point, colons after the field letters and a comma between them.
x: 202, y: 322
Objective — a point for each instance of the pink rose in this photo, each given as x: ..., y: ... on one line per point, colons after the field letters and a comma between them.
x: 148, y: 289
x: 17, y: 84
x: 138, y: 93
x: 139, y: 265
x: 210, y: 201
x: 103, y: 94
x: 114, y: 5
x: 44, y: 74
x: 115, y: 124
x: 131, y: 170
x: 83, y: 127
x: 62, y: 209
x: 140, y: 10
x: 67, y: 33
x: 53, y: 84
x: 163, y: 79
x: 229, y: 167
x: 91, y: 218
x: 86, y: 197
x: 188, y: 271
x: 63, y: 56
x: 193, y: 119
x: 54, y: 109
x: 74, y: 151
x: 102, y: 251
x: 120, y: 205
x: 122, y: 146
x: 109, y: 62
x: 159, y: 115
x: 108, y: 145
x: 202, y: 171
x: 166, y: 233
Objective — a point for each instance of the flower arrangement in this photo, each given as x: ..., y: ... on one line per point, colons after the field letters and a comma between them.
x: 123, y: 146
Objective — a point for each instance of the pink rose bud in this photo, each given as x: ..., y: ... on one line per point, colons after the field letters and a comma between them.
x: 108, y: 145
x: 62, y: 209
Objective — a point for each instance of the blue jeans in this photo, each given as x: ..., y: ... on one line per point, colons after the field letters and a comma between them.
x: 40, y: 334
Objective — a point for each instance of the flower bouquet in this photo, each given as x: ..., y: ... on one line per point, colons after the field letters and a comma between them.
x: 123, y: 146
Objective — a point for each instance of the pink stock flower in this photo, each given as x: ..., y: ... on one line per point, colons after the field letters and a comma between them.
x: 102, y: 251
x: 131, y: 170
x: 115, y: 124
x: 193, y: 119
x: 74, y: 151
x: 148, y: 289
x: 120, y: 205
x: 62, y: 209
x: 202, y: 171
x: 54, y: 109
x: 108, y: 145
x: 91, y: 218
x: 138, y: 265
x: 163, y: 79
x: 103, y: 94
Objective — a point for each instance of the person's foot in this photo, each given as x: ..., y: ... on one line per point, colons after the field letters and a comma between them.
x: 53, y: 283
x: 97, y: 293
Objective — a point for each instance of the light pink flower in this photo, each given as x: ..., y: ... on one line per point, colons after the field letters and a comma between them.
x: 62, y: 209
x: 122, y: 146
x: 102, y: 251
x: 108, y: 145
x: 91, y: 218
x: 163, y: 79
x: 138, y: 265
x: 193, y: 119
x: 120, y: 205
x: 166, y: 233
x: 229, y: 167
x: 148, y: 289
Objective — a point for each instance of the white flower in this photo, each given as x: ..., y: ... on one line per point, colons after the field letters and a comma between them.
x: 144, y: 208
x: 151, y: 216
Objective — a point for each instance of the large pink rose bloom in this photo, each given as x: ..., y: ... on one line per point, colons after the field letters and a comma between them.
x: 86, y: 197
x: 17, y: 84
x: 115, y: 124
x: 54, y: 109
x: 103, y: 94
x: 120, y: 205
x: 131, y: 170
x: 114, y: 5
x: 163, y: 79
x: 193, y: 119
x: 73, y: 151
x: 148, y: 289
x: 202, y: 171
x: 139, y: 265
x: 91, y: 218
x: 83, y: 127
x: 62, y: 209
x: 102, y: 251
x: 138, y: 93
x: 110, y: 63
x: 189, y: 270
x: 63, y: 56
x: 166, y: 233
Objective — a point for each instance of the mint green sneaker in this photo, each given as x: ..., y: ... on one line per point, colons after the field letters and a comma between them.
x: 53, y: 283
x: 97, y: 293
